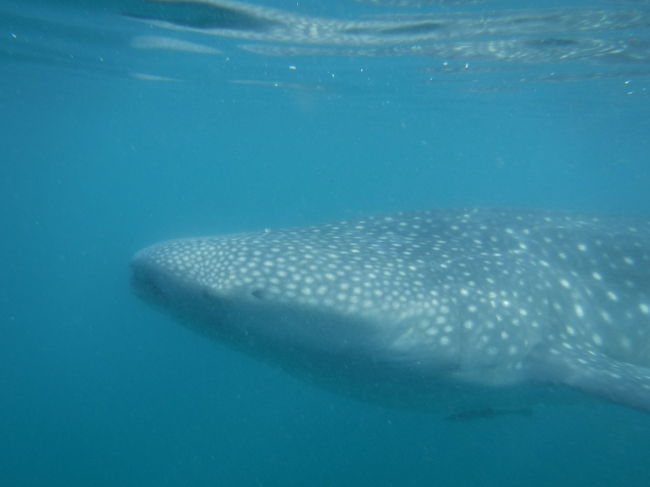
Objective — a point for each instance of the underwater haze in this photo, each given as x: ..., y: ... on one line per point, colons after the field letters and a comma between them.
x: 128, y: 122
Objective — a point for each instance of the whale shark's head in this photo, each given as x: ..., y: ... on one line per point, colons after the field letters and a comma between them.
x: 317, y: 292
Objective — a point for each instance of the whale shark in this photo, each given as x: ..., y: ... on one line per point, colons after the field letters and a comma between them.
x: 453, y: 309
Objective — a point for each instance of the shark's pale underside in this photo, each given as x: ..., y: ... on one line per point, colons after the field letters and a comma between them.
x: 462, y: 307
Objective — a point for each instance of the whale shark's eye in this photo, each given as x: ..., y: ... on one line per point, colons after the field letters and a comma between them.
x: 209, y: 294
x: 259, y: 293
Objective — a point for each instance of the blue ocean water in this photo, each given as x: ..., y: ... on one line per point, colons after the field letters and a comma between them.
x: 128, y: 122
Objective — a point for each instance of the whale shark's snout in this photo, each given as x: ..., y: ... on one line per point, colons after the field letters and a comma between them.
x: 481, y: 298
x: 146, y: 277
x: 159, y: 272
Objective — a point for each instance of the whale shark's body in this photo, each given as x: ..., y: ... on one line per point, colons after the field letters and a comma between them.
x: 450, y: 307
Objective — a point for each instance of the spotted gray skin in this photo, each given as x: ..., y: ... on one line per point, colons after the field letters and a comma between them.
x: 427, y: 307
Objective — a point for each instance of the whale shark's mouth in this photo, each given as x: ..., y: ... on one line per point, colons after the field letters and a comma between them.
x: 159, y: 286
x: 143, y: 286
x: 153, y: 283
